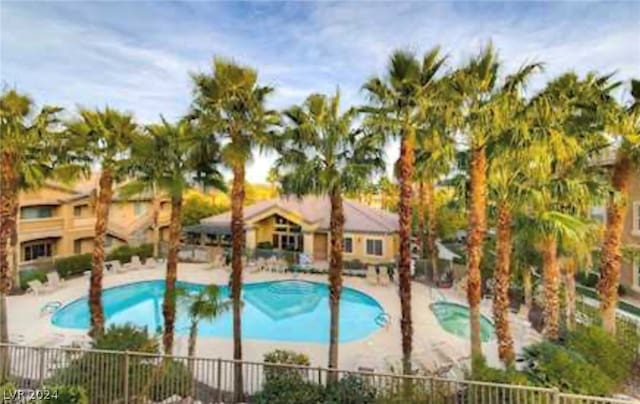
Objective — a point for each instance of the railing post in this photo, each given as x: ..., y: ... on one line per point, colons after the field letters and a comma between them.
x: 555, y: 396
x: 320, y: 376
x: 40, y: 366
x: 219, y: 380
x: 126, y: 377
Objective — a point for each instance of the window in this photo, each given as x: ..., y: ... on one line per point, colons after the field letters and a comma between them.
x: 108, y: 241
x: 38, y: 249
x: 139, y: 208
x: 347, y: 245
x: 636, y: 217
x: 374, y: 247
x: 36, y: 212
x: 77, y: 246
x: 77, y: 211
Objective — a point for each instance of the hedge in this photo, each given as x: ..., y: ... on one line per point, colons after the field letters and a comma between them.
x: 29, y: 275
x: 125, y: 252
x: 75, y: 264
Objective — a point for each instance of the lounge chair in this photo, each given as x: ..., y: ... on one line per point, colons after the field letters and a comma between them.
x: 372, y: 276
x: 134, y: 264
x: 54, y: 281
x: 151, y: 263
x: 36, y: 287
x: 112, y: 267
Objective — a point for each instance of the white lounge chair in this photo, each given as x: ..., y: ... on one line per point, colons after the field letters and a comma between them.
x: 113, y: 267
x: 151, y: 263
x: 54, y: 281
x: 372, y: 276
x: 36, y: 287
x: 134, y: 264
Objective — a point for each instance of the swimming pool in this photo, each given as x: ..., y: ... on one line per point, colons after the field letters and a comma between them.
x: 454, y: 318
x: 290, y: 310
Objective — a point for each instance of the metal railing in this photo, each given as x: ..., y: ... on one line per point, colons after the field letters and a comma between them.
x: 128, y: 377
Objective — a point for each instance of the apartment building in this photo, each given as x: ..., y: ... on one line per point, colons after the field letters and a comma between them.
x: 58, y: 220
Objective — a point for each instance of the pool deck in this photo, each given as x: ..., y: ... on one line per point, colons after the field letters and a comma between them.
x: 29, y: 326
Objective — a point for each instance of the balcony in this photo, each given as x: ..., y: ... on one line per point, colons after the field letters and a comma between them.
x: 40, y: 227
x: 81, y: 223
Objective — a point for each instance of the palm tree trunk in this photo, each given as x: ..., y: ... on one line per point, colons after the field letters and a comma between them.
x: 432, y: 247
x: 103, y: 204
x: 193, y: 335
x: 155, y: 215
x: 551, y: 279
x: 527, y: 287
x: 422, y: 224
x: 237, y: 241
x: 570, y: 285
x: 503, y: 279
x: 611, y: 257
x: 8, y: 199
x: 14, y: 249
x: 404, y: 266
x: 169, y: 304
x: 475, y: 240
x: 335, y: 277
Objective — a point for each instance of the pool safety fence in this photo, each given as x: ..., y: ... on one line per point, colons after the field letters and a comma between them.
x: 127, y: 377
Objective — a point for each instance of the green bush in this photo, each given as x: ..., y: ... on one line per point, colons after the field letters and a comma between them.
x: 75, y: 264
x: 125, y: 252
x: 588, y: 279
x: 600, y: 349
x: 29, y: 275
x: 7, y: 390
x: 289, y: 390
x: 556, y: 366
x: 351, y: 389
x: 127, y: 337
x: 100, y: 375
x: 286, y: 357
x: 484, y: 373
x: 63, y: 394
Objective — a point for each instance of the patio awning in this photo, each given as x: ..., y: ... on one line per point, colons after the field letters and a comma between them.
x: 205, y: 228
x: 445, y: 254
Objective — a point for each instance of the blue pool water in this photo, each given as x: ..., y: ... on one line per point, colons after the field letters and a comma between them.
x: 291, y: 310
x: 454, y: 318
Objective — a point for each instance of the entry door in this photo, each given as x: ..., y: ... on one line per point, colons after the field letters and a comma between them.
x: 320, y: 243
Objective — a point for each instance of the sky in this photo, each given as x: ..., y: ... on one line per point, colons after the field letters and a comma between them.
x: 137, y: 56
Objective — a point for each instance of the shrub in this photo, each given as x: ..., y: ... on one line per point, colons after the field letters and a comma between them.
x: 29, y: 275
x: 127, y: 337
x: 351, y: 389
x: 556, y: 366
x: 602, y: 350
x: 484, y: 373
x: 7, y: 390
x: 286, y: 357
x: 288, y: 390
x: 174, y: 379
x: 125, y: 252
x: 588, y: 279
x: 75, y: 264
x: 63, y: 394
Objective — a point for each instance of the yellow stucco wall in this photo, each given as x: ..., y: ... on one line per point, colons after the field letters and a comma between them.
x: 66, y: 225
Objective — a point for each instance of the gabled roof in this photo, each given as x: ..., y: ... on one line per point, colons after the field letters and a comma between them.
x: 315, y: 210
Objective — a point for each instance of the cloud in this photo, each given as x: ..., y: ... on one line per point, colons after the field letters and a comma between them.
x: 137, y: 56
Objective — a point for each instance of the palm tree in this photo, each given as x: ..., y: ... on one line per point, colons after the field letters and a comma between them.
x: 322, y: 154
x: 165, y: 158
x: 399, y: 104
x: 623, y: 125
x: 207, y: 304
x: 106, y: 137
x: 28, y: 153
x: 231, y: 104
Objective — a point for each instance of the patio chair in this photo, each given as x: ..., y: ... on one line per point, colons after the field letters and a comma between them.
x: 113, y: 267
x: 54, y: 280
x: 36, y: 287
x: 373, y: 278
x: 281, y: 265
x: 151, y: 263
x: 135, y: 263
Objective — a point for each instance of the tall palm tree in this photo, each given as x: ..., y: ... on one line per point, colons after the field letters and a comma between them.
x: 28, y: 153
x: 173, y: 145
x: 323, y: 154
x: 399, y: 104
x: 623, y: 126
x: 230, y: 103
x: 106, y: 137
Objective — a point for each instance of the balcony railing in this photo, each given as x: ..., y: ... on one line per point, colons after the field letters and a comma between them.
x: 127, y: 377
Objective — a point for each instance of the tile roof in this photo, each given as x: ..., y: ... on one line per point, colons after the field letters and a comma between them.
x: 315, y: 210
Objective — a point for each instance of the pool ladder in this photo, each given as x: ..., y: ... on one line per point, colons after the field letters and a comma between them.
x: 383, y: 319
